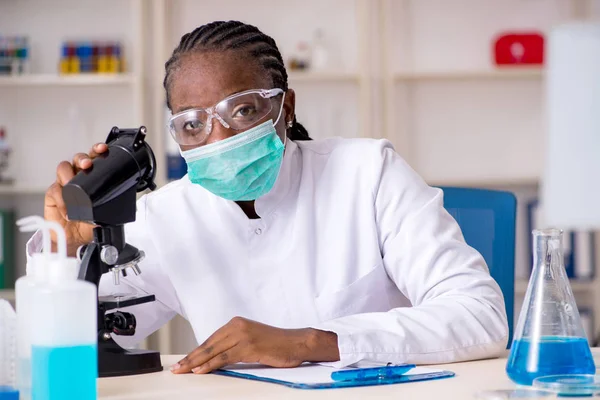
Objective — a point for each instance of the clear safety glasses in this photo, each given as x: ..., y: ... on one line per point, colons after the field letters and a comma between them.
x: 239, y: 112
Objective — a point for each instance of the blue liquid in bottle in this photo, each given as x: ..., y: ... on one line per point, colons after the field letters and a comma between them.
x: 8, y: 393
x: 65, y: 373
x: 552, y: 355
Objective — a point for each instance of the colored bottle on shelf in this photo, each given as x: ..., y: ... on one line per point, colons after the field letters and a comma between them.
x: 113, y: 59
x: 23, y: 55
x: 84, y: 53
x: 95, y: 56
x: 74, y: 63
x: 64, y: 64
x: 69, y: 62
x: 120, y: 57
x: 64, y: 355
x: 102, y: 58
x: 12, y: 55
x: 23, y: 49
x: 4, y: 60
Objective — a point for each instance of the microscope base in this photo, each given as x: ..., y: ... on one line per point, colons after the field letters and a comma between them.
x: 116, y: 361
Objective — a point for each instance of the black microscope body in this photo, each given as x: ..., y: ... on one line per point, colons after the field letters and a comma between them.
x: 105, y: 195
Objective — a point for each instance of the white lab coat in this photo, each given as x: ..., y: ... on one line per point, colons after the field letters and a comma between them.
x: 350, y: 240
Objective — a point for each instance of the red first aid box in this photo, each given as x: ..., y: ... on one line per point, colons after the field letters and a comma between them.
x: 519, y: 48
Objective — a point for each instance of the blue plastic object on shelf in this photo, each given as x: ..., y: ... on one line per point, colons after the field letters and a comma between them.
x: 176, y: 167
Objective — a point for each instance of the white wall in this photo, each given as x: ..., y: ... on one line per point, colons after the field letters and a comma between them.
x: 48, y: 124
x: 471, y: 128
x: 477, y: 131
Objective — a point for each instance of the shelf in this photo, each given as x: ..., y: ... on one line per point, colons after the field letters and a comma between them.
x: 500, y: 73
x: 67, y: 80
x: 7, y: 294
x: 16, y: 189
x: 322, y: 76
x: 576, y: 286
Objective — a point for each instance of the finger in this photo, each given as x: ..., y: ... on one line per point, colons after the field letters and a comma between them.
x: 219, y: 342
x: 97, y: 149
x: 202, y: 354
x: 208, y: 344
x: 82, y: 161
x: 228, y: 357
x: 54, y: 199
x: 64, y: 173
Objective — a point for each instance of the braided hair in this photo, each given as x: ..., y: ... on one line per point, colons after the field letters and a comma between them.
x: 237, y: 36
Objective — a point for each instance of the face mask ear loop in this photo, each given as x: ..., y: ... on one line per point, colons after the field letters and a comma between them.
x: 280, y: 110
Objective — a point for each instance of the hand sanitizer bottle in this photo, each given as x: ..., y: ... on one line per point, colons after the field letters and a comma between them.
x: 8, y: 351
x: 64, y: 355
x: 24, y: 288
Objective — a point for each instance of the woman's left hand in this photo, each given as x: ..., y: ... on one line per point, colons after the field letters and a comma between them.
x: 243, y: 340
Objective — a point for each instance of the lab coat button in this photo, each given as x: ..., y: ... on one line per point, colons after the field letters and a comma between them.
x: 258, y: 231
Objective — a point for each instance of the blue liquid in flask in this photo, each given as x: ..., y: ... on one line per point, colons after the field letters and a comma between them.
x: 65, y: 373
x: 551, y: 355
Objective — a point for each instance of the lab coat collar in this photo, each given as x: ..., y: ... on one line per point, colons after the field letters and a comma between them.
x: 289, y: 175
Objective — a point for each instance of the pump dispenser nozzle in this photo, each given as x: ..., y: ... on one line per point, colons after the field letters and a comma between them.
x: 36, y: 223
x: 59, y: 266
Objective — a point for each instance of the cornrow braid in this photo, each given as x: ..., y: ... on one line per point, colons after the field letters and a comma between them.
x: 235, y: 35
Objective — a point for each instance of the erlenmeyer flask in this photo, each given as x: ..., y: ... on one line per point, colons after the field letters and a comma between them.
x: 549, y: 339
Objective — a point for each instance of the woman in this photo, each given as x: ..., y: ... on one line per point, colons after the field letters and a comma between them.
x: 280, y: 250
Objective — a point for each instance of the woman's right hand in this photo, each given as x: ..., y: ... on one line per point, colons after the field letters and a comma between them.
x: 77, y: 232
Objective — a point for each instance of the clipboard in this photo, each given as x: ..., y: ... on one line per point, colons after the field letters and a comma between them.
x: 313, y: 376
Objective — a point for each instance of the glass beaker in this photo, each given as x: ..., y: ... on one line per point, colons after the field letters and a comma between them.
x: 549, y: 338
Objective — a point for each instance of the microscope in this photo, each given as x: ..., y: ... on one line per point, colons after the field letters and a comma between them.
x: 105, y: 195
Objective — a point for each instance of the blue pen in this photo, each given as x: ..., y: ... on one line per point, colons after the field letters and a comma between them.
x: 361, y: 374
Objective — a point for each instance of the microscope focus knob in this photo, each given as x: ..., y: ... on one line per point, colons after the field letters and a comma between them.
x: 109, y: 255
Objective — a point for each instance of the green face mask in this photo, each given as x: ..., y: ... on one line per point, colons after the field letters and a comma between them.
x: 240, y: 168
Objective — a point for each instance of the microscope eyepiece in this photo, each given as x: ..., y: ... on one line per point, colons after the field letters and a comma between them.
x: 104, y: 194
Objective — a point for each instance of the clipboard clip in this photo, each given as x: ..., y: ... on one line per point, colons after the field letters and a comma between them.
x: 377, y: 373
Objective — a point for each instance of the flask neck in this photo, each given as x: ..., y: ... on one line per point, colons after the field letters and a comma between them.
x: 548, y: 246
